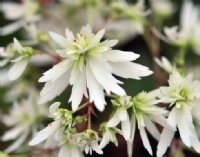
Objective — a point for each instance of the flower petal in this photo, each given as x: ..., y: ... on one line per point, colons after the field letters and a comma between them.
x: 104, y: 77
x: 145, y: 140
x: 126, y: 129
x: 17, y: 69
x: 53, y: 89
x: 95, y: 90
x: 164, y: 142
x: 120, y: 56
x: 45, y: 133
x: 130, y: 70
x: 60, y: 40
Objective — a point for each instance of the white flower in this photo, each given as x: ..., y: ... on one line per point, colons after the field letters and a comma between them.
x: 165, y: 64
x: 22, y: 12
x: 163, y: 8
x: 183, y: 94
x: 145, y: 113
x: 88, y: 141
x: 69, y: 150
x: 21, y: 62
x: 121, y: 115
x: 189, y: 31
x: 109, y: 135
x: 62, y: 118
x: 89, y: 64
x: 23, y: 118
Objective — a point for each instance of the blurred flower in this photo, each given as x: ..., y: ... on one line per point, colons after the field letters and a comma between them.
x: 24, y: 119
x: 145, y: 112
x: 21, y: 62
x: 188, y: 33
x: 134, y: 19
x: 183, y: 95
x: 22, y: 12
x: 165, y: 64
x: 4, y: 56
x: 89, y: 63
x: 163, y: 8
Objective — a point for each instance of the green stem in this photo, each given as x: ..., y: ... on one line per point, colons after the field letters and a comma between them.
x: 180, y: 57
x: 90, y: 14
x: 89, y: 115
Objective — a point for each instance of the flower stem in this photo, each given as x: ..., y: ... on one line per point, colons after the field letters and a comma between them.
x: 89, y: 115
x: 81, y: 107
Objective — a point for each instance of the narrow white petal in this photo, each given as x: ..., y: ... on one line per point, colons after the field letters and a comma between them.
x: 96, y: 39
x: 64, y: 151
x: 120, y: 56
x: 13, y: 133
x: 114, y: 121
x: 60, y: 40
x: 12, y: 10
x: 78, y: 89
x: 130, y: 70
x: 152, y: 128
x: 69, y: 35
x: 172, y: 119
x: 131, y: 140
x: 17, y: 142
x: 164, y: 142
x: 104, y: 77
x: 184, y: 122
x: 53, y: 89
x: 109, y: 43
x: 56, y: 71
x: 45, y: 133
x: 95, y: 90
x: 54, y: 107
x: 126, y: 129
x: 17, y: 69
x: 11, y: 28
x: 96, y: 148
x: 18, y: 46
x: 145, y: 140
x: 162, y: 121
x: 123, y: 114
x: 105, y: 140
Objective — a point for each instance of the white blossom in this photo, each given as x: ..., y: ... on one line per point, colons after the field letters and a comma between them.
x: 89, y: 64
x: 183, y: 95
x: 163, y: 8
x: 188, y: 32
x: 88, y: 141
x: 145, y: 114
x: 22, y: 12
x: 23, y: 120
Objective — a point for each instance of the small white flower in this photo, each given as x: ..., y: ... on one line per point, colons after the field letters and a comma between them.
x: 23, y: 118
x: 163, y: 8
x: 121, y: 115
x: 189, y: 31
x: 88, y: 140
x: 183, y: 94
x: 21, y: 62
x: 145, y: 113
x: 89, y: 64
